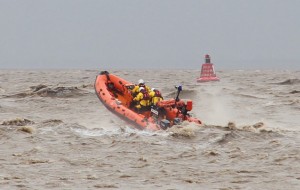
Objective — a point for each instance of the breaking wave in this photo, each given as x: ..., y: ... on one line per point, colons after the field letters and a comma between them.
x: 290, y: 82
x: 45, y: 91
x: 295, y: 92
x: 17, y: 122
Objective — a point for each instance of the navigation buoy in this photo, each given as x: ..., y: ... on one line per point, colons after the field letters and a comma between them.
x: 207, y: 71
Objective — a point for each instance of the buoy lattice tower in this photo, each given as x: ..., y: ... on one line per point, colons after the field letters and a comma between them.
x: 207, y: 71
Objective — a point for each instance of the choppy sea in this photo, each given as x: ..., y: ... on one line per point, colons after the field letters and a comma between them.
x: 56, y: 134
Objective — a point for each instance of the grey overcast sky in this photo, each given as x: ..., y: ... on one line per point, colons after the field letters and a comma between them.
x: 167, y: 34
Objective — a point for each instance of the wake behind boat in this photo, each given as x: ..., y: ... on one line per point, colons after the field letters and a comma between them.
x: 115, y: 93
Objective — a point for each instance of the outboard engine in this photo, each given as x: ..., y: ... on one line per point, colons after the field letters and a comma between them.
x: 177, y: 121
x: 164, y: 124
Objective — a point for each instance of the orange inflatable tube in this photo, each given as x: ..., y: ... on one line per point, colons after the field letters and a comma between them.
x: 115, y: 93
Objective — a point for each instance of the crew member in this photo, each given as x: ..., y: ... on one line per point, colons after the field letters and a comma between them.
x: 135, y: 90
x: 143, y: 99
x: 155, y: 96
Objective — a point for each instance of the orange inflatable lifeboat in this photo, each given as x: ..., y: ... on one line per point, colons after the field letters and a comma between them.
x: 115, y: 93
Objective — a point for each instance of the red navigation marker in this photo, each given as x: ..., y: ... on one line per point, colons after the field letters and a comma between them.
x: 207, y: 71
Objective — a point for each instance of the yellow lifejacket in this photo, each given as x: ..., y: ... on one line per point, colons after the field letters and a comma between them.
x: 155, y: 97
x: 143, y: 99
x: 136, y: 88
